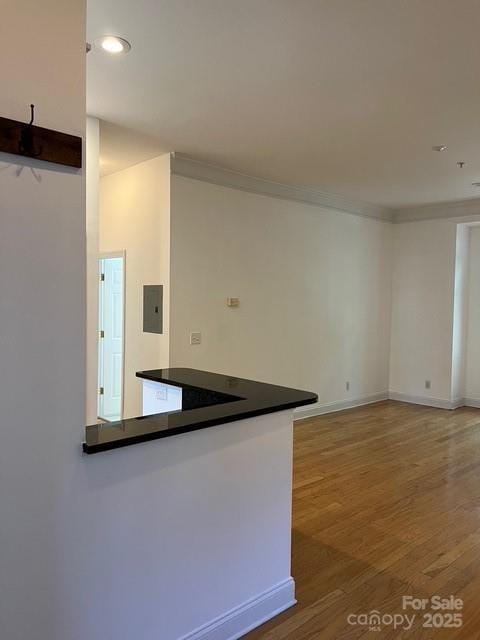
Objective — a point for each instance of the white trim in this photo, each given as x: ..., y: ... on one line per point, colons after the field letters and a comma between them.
x: 439, y: 403
x: 472, y: 402
x: 457, y: 403
x: 455, y: 209
x: 197, y: 170
x: 240, y: 620
x: 331, y: 407
x: 112, y: 254
x: 189, y: 168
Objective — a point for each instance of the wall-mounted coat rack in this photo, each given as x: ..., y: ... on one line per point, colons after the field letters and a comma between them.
x: 26, y: 139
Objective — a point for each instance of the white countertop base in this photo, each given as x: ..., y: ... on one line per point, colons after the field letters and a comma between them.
x: 187, y: 537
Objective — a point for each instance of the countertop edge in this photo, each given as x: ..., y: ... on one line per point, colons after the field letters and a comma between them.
x: 236, y: 399
x: 211, y: 422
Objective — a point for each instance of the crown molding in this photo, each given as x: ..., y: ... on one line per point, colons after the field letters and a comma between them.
x: 197, y: 170
x: 455, y: 209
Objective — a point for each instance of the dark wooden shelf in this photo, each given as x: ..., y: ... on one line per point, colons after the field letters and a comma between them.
x: 30, y: 141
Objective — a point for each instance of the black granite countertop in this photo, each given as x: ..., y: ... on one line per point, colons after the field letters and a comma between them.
x: 209, y: 399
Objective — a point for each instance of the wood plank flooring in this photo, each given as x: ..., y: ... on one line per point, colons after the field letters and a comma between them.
x: 386, y: 503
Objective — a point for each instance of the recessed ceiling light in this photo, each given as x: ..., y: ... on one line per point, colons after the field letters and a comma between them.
x: 113, y: 44
x: 439, y: 147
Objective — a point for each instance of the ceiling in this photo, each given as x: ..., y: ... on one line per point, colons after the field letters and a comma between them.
x: 344, y: 96
x: 121, y: 147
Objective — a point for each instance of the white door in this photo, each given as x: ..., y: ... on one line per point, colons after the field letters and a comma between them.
x: 110, y: 348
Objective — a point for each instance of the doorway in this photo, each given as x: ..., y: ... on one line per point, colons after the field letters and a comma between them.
x: 111, y: 322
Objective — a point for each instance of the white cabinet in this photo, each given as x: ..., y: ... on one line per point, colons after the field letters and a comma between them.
x: 159, y: 398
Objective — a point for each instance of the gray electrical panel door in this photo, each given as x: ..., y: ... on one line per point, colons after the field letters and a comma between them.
x: 153, y: 308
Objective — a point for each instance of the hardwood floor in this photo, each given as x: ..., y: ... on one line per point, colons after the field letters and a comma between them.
x: 386, y: 503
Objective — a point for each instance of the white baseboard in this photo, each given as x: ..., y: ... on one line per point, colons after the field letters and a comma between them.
x: 457, y: 403
x: 238, y: 621
x: 331, y: 407
x: 439, y: 403
x: 471, y: 402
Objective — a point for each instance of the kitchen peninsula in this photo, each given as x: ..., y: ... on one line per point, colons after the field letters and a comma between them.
x: 202, y: 497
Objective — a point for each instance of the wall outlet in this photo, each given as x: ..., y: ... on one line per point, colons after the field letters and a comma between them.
x: 347, y: 386
x: 195, y: 337
x: 161, y: 393
x: 428, y: 384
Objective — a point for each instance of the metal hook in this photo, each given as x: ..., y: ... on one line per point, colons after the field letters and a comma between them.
x: 26, y: 144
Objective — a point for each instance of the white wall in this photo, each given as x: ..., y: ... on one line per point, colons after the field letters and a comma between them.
x: 92, y: 170
x: 431, y: 321
x: 135, y: 217
x: 325, y: 297
x: 314, y: 289
x: 422, y: 310
x: 42, y: 330
x: 472, y: 377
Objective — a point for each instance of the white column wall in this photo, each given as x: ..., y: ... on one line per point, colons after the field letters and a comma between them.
x: 42, y: 336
